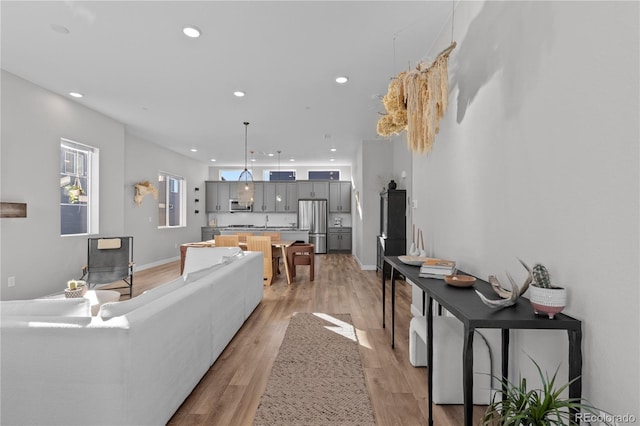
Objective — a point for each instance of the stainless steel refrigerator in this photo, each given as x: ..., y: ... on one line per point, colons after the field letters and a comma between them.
x: 312, y: 217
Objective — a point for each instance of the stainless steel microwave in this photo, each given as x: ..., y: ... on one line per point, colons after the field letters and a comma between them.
x: 237, y: 206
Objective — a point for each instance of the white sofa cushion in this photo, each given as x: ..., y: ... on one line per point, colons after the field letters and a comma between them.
x: 73, y: 307
x: 116, y: 309
x: 198, y: 258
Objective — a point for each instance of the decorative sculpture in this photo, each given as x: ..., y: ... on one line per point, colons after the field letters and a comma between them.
x: 143, y: 188
x: 507, y: 298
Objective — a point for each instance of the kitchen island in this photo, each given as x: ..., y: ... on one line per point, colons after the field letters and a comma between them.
x: 286, y: 232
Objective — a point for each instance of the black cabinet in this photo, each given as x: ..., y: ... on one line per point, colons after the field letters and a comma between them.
x: 392, y: 240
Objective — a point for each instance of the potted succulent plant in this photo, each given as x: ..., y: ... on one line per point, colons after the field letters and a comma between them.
x: 535, y: 407
x: 544, y: 297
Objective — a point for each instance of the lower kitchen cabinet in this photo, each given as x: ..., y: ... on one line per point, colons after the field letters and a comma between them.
x: 339, y: 239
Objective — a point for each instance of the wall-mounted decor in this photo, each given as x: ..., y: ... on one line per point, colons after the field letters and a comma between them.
x: 13, y: 209
x: 143, y: 188
x: 416, y: 101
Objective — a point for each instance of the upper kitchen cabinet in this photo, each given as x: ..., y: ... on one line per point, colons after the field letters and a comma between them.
x: 264, y: 197
x: 309, y: 189
x: 288, y: 192
x: 217, y: 193
x: 339, y: 197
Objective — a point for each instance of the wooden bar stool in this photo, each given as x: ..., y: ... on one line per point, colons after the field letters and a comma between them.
x: 302, y: 254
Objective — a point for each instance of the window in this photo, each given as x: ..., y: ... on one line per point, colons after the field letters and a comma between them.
x: 324, y: 175
x: 78, y: 188
x: 172, y: 207
x: 231, y: 175
x: 280, y: 175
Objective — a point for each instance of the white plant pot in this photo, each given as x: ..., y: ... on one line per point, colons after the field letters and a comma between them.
x: 548, y: 301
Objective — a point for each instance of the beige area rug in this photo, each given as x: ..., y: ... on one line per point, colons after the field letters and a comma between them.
x: 317, y: 377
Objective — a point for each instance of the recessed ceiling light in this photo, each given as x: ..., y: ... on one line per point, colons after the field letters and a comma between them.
x: 192, y: 32
x: 60, y: 29
x: 239, y: 93
x: 76, y: 94
x: 342, y: 79
x: 194, y: 150
x: 333, y: 150
x: 213, y: 159
x: 271, y: 154
x: 292, y: 159
x: 253, y: 160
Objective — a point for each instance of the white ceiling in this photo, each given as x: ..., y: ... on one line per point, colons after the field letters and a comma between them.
x: 132, y: 63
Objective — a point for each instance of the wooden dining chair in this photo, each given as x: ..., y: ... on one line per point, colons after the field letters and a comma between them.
x: 226, y: 240
x: 275, y: 253
x: 263, y: 244
x: 242, y: 236
x: 302, y: 254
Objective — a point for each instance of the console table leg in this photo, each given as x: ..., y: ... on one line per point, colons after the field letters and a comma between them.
x: 505, y: 361
x: 467, y: 375
x: 393, y: 306
x: 575, y: 367
x: 429, y: 319
x: 383, y: 294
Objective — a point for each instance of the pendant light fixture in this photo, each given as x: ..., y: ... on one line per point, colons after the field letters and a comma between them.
x: 278, y: 197
x: 245, y: 181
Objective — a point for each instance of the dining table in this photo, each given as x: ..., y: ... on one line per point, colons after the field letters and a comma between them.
x: 276, y: 244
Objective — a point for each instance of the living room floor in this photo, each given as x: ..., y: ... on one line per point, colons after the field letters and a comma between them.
x: 230, y: 392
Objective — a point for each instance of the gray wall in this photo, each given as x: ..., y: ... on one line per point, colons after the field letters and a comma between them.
x: 32, y: 250
x: 143, y: 161
x: 33, y: 121
x: 537, y: 158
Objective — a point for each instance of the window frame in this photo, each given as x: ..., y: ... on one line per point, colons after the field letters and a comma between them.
x: 164, y: 187
x: 92, y: 183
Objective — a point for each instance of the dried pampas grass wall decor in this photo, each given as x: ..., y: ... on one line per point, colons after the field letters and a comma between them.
x: 416, y: 101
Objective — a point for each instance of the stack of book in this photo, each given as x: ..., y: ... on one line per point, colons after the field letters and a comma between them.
x: 437, y: 268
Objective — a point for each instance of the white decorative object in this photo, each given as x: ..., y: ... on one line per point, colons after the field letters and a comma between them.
x: 549, y: 301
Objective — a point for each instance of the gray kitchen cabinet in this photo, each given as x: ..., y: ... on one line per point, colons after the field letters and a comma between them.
x: 288, y: 192
x: 209, y: 232
x: 264, y: 198
x: 339, y: 239
x: 309, y: 189
x: 217, y: 196
x: 340, y: 197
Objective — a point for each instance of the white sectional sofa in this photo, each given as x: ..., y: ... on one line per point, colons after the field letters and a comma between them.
x: 137, y: 360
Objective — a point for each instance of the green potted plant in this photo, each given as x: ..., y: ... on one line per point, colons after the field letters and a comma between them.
x: 534, y: 407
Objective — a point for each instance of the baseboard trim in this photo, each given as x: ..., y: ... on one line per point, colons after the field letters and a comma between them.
x: 154, y: 264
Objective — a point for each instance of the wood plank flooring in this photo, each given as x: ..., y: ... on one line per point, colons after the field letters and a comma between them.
x: 230, y: 392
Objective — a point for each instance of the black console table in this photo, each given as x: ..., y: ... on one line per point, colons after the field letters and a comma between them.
x: 465, y: 305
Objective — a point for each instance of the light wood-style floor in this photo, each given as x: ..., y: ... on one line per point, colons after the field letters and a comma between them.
x: 230, y: 392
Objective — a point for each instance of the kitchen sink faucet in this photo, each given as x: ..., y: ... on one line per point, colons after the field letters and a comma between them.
x: 266, y: 221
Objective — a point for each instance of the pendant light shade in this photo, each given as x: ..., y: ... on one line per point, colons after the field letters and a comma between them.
x: 246, y: 187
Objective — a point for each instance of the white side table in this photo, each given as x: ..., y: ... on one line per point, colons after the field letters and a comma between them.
x: 96, y: 298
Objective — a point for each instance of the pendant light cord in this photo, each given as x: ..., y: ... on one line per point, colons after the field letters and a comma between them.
x: 246, y: 126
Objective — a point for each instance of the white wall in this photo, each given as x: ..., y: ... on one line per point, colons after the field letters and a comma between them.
x: 33, y: 121
x: 537, y: 158
x: 143, y: 161
x: 32, y: 250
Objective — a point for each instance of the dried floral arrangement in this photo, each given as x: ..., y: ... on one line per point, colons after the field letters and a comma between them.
x: 143, y: 188
x: 416, y: 101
